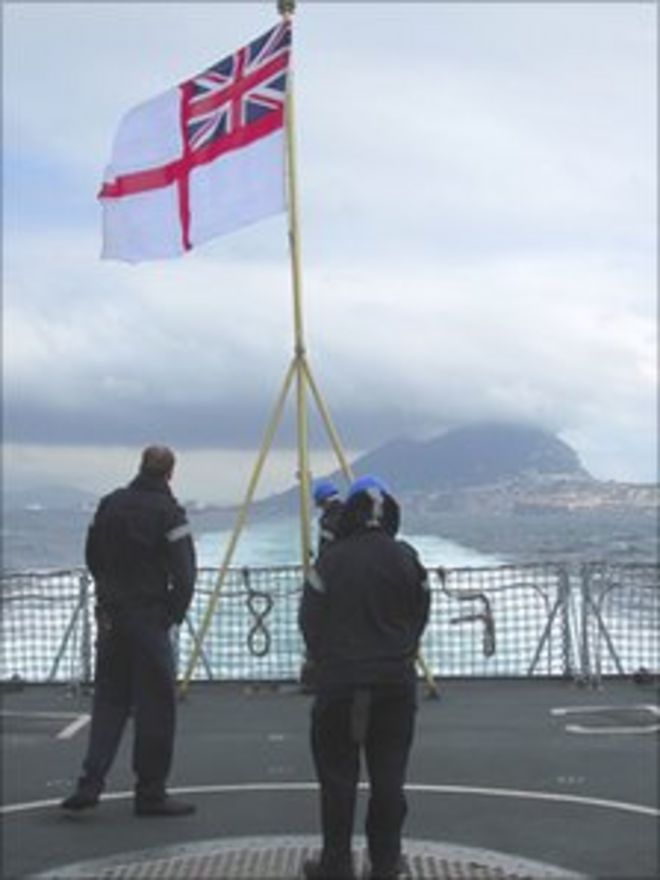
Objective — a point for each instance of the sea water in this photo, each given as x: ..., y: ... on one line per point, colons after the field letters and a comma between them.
x: 277, y: 542
x: 42, y: 540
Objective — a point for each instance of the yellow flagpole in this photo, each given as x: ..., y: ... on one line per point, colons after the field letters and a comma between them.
x: 286, y: 8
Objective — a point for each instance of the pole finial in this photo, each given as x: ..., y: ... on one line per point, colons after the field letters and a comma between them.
x: 286, y: 7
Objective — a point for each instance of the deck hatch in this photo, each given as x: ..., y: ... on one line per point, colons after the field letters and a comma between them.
x: 272, y: 858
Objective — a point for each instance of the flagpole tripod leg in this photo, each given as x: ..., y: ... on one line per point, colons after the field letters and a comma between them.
x: 327, y: 421
x: 428, y: 676
x: 238, y: 527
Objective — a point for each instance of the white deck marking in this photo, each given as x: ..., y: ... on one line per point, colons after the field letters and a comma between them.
x: 72, y: 729
x: 264, y: 787
x: 612, y: 729
x: 578, y: 710
x: 580, y: 728
x: 14, y: 714
x: 78, y: 720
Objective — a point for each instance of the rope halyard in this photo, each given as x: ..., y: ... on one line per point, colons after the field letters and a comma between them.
x: 259, y: 605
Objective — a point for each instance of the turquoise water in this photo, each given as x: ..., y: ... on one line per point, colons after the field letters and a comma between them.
x: 278, y: 543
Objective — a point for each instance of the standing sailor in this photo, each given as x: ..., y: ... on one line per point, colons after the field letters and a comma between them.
x: 142, y: 558
x: 364, y: 607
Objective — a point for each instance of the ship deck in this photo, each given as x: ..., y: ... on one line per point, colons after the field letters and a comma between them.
x: 508, y: 778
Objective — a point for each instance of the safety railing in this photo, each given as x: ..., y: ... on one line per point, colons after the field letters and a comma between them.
x: 507, y: 621
x: 620, y: 620
x: 46, y: 626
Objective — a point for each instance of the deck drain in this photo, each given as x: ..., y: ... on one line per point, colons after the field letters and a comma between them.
x: 272, y: 858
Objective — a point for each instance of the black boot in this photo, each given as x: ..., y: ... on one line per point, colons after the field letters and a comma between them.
x: 162, y: 806
x: 85, y: 796
x: 399, y: 871
x: 316, y: 869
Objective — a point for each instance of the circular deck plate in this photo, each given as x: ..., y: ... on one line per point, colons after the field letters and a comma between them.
x: 282, y: 857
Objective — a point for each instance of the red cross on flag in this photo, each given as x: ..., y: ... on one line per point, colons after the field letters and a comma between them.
x: 201, y: 159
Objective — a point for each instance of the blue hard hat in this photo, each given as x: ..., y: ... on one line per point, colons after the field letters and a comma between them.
x: 369, y: 502
x: 364, y: 484
x: 324, y: 489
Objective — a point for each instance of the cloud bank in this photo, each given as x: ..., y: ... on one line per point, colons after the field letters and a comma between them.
x: 478, y: 230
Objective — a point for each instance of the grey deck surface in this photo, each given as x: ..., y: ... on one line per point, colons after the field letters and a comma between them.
x: 493, y: 766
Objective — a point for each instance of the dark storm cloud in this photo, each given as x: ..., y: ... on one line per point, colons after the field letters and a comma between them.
x: 212, y: 424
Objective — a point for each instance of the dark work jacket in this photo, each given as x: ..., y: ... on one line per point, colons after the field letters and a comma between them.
x: 364, y: 607
x: 140, y: 551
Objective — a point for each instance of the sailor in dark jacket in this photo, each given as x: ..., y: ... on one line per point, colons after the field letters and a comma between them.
x: 364, y: 607
x: 142, y: 558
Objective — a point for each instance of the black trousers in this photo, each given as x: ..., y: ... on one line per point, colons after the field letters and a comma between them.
x: 388, y: 718
x: 134, y: 674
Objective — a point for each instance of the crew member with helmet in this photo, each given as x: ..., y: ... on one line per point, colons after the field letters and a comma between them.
x: 364, y: 607
x: 326, y: 498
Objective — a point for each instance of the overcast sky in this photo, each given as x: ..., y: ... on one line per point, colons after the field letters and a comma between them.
x: 478, y: 236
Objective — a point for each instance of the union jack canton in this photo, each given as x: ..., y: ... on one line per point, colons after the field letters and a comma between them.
x: 238, y: 100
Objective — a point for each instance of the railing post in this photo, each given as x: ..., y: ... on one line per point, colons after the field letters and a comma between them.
x: 69, y: 631
x: 175, y: 641
x: 566, y: 639
x: 585, y: 653
x: 87, y: 675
